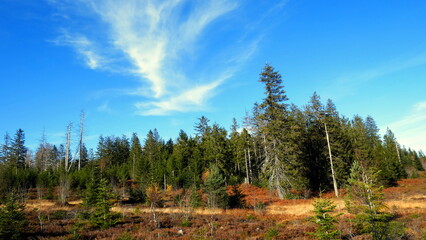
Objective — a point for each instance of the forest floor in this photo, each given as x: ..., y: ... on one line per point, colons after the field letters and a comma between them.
x: 266, y: 217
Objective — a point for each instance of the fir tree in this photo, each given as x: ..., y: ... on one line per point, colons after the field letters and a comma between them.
x: 214, y: 186
x: 325, y: 220
x: 98, y: 205
x: 101, y: 216
x: 12, y: 219
x: 365, y: 201
x: 18, y: 151
x: 272, y: 119
x: 390, y: 165
x: 135, y: 155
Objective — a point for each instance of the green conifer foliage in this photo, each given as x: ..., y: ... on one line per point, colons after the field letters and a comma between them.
x: 18, y: 151
x: 177, y: 164
x: 273, y: 127
x: 98, y: 203
x: 135, y: 155
x: 214, y: 187
x: 365, y: 201
x: 12, y: 219
x: 390, y: 165
x: 325, y: 220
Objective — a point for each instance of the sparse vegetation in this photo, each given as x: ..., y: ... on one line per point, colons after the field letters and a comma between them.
x: 256, y: 182
x: 12, y: 219
x: 365, y: 200
x: 325, y: 219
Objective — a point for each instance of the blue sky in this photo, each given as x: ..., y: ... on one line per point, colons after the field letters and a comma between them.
x: 136, y: 65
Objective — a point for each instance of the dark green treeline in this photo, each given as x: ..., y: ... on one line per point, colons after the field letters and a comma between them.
x: 277, y: 145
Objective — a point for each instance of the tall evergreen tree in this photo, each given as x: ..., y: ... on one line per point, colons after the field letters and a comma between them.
x: 316, y: 145
x: 239, y: 167
x: 155, y: 156
x: 135, y: 155
x: 272, y: 119
x: 18, y: 151
x: 216, y: 148
x: 202, y: 126
x: 177, y: 165
x: 390, y: 165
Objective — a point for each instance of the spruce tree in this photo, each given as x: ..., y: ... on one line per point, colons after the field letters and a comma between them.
x: 325, y: 220
x: 12, y: 219
x: 18, y: 151
x: 101, y: 216
x: 214, y: 187
x: 390, y: 165
x: 365, y: 200
x: 153, y: 168
x: 316, y: 145
x: 272, y: 120
x: 135, y: 155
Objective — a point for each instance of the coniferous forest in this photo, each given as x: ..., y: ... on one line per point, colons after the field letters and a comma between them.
x: 295, y: 152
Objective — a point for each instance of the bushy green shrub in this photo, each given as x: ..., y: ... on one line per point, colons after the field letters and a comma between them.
x: 214, y: 186
x: 12, y: 220
x: 272, y: 233
x: 98, y: 203
x: 365, y: 201
x: 325, y: 221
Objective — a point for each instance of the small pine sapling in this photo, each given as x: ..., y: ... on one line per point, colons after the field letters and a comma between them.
x: 325, y: 220
x: 101, y: 216
x: 12, y: 219
x: 365, y: 201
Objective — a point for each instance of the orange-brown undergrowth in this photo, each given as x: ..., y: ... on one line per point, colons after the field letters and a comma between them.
x: 287, y: 218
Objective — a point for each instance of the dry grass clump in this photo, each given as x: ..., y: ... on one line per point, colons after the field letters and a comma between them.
x: 265, y: 217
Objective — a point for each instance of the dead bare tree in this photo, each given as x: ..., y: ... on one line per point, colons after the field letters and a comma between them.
x: 336, y: 190
x: 67, y: 148
x: 80, y: 142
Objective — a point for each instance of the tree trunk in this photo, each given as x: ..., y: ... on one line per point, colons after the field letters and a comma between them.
x: 336, y: 190
x: 67, y: 148
x: 80, y: 144
x: 247, y: 170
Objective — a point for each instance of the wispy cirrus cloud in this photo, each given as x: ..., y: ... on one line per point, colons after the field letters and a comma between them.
x: 84, y: 48
x: 160, y: 42
x: 190, y: 100
x: 410, y: 130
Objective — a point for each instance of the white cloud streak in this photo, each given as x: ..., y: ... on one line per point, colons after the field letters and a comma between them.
x: 190, y: 100
x: 151, y: 34
x: 410, y: 130
x: 84, y: 48
x: 156, y: 38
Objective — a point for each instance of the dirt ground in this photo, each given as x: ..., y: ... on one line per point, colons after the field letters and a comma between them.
x: 266, y: 217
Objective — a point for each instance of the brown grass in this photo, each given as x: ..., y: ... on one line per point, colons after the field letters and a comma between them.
x: 288, y: 217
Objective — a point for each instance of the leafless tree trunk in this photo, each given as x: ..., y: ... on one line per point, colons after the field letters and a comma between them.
x: 336, y: 190
x: 67, y: 148
x: 80, y: 143
x: 249, y: 165
x: 42, y: 157
x: 247, y: 170
x: 397, y: 151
